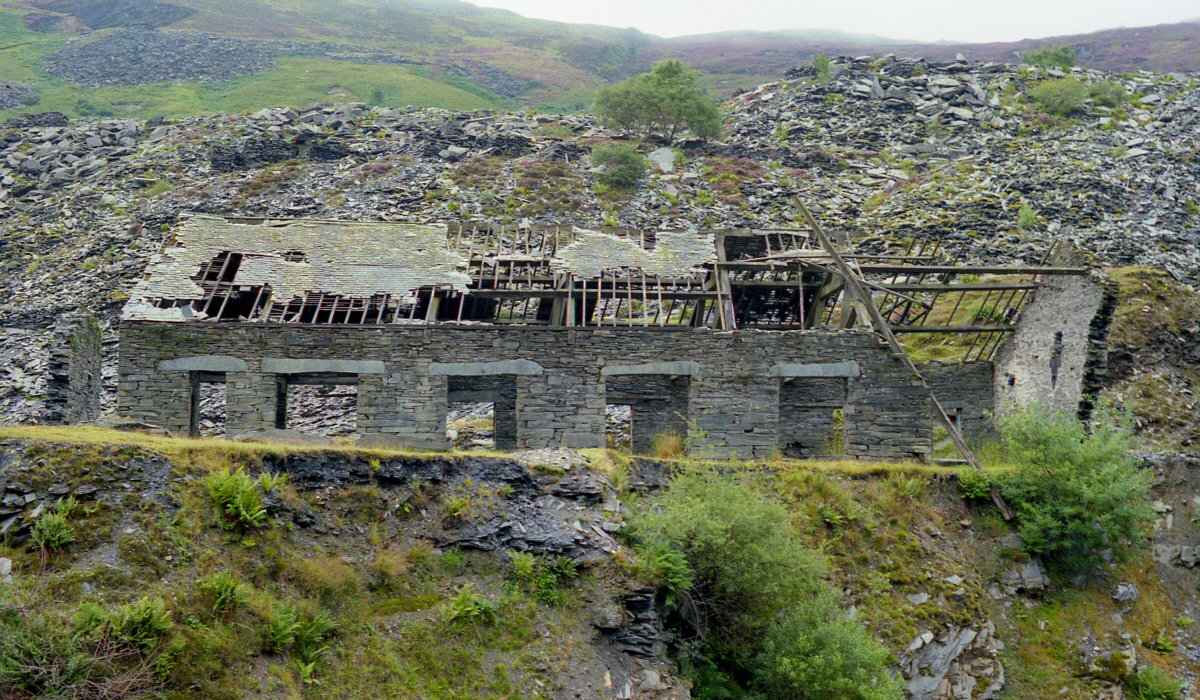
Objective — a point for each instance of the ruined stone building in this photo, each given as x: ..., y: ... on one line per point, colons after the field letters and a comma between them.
x: 738, y: 339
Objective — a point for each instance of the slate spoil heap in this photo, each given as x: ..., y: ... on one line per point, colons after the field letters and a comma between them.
x: 886, y: 149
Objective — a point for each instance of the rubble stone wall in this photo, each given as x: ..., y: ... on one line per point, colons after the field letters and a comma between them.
x: 733, y: 395
x: 74, y: 372
x: 1059, y: 352
x: 965, y: 389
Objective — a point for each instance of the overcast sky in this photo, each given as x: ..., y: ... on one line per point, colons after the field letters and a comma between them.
x: 921, y: 20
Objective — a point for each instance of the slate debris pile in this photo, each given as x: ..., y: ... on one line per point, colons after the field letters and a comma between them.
x: 489, y: 77
x: 908, y: 147
x: 139, y: 55
x: 14, y: 95
x: 886, y: 149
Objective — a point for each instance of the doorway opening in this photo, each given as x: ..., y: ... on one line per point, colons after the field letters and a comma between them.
x: 318, y: 404
x: 209, y: 403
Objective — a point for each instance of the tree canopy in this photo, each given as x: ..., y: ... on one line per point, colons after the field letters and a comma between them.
x: 665, y: 101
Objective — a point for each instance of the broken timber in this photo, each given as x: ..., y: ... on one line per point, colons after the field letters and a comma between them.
x: 853, y: 284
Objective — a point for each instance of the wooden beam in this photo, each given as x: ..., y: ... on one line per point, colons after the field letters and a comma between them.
x: 950, y: 288
x: 563, y: 293
x: 1002, y: 328
x: 972, y: 269
x: 853, y: 286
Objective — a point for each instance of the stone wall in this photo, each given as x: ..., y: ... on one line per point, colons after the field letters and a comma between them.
x: 966, y: 391
x: 75, y: 372
x: 405, y: 376
x: 1059, y: 352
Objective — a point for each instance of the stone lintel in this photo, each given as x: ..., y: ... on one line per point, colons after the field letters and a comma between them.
x: 677, y: 369
x: 277, y: 365
x: 484, y: 369
x: 849, y: 368
x: 203, y: 363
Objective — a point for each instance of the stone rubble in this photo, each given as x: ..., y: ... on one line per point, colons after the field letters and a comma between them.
x: 959, y: 663
x: 14, y: 95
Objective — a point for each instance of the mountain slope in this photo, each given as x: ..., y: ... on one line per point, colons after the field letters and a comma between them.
x: 138, y: 57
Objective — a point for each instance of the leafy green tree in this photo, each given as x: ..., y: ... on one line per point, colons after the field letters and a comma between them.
x: 1062, y: 56
x: 754, y: 593
x: 666, y: 101
x: 1077, y: 492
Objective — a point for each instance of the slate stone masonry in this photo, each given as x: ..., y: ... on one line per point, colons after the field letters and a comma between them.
x: 966, y: 392
x: 732, y: 380
x: 75, y: 372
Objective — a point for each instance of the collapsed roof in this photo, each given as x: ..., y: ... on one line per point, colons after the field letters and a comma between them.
x: 368, y: 273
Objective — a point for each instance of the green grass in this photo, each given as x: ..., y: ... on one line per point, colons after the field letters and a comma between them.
x: 296, y: 82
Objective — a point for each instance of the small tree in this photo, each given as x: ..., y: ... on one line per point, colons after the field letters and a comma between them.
x: 821, y: 64
x: 1062, y: 56
x: 665, y: 101
x: 1077, y: 494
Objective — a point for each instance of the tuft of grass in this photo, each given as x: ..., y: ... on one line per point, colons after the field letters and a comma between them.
x: 668, y: 445
x: 327, y: 577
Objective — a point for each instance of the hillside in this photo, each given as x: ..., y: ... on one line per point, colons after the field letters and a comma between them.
x: 141, y: 58
x: 352, y: 583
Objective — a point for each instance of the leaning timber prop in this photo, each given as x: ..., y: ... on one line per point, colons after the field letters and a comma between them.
x: 855, y: 287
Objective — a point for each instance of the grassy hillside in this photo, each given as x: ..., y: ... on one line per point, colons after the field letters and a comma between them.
x: 382, y: 613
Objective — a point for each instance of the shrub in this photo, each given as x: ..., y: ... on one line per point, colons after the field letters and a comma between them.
x: 238, y: 499
x: 1060, y: 97
x: 1061, y: 56
x: 623, y: 165
x: 666, y: 100
x: 1153, y: 684
x: 1108, y: 93
x: 817, y: 652
x: 975, y: 484
x: 1077, y: 493
x: 1027, y: 217
x: 225, y: 592
x: 754, y: 593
